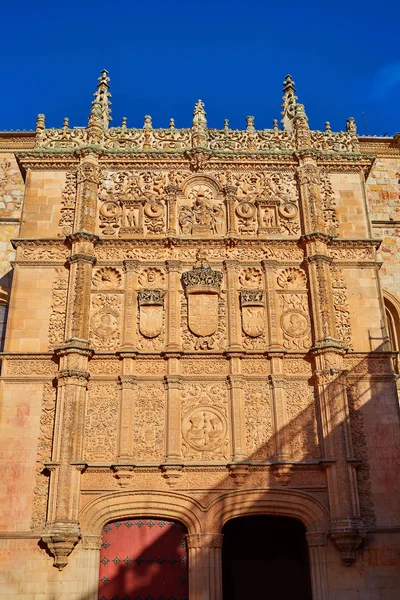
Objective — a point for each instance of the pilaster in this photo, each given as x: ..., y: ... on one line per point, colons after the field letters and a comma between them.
x: 205, y: 566
x: 270, y: 267
x: 173, y: 421
x: 131, y: 268
x: 236, y: 390
x: 281, y: 420
x: 233, y: 322
x: 174, y: 305
x: 230, y: 196
x: 171, y: 191
x: 86, y: 198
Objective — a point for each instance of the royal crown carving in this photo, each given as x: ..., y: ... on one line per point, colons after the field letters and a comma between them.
x: 202, y: 278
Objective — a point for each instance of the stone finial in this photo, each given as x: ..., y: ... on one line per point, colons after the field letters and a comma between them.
x: 66, y: 123
x: 250, y: 123
x: 226, y: 125
x: 275, y: 125
x: 148, y: 123
x: 40, y: 123
x: 123, y: 124
x: 328, y: 127
x: 351, y: 126
x: 199, y: 125
x: 99, y: 116
x: 301, y: 127
x: 289, y: 103
x: 172, y: 123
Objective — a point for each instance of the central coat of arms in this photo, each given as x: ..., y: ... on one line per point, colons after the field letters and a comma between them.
x: 202, y: 287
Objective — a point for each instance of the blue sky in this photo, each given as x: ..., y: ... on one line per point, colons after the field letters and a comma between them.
x: 162, y: 56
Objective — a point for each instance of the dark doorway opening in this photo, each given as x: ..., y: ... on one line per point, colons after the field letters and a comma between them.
x: 265, y: 557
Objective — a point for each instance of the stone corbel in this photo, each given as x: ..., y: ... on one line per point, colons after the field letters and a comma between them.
x: 61, y: 538
x: 348, y: 534
x: 282, y: 472
x: 239, y: 472
x: 172, y: 473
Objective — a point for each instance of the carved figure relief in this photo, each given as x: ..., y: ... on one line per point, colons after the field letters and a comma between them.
x: 151, y: 309
x: 105, y: 321
x: 151, y: 278
x: 107, y: 278
x: 251, y: 278
x: 132, y: 203
x: 58, y: 305
x: 295, y: 321
x: 204, y: 215
x: 204, y: 421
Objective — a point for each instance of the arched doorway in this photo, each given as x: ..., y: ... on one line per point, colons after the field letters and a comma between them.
x: 142, y: 559
x: 265, y: 557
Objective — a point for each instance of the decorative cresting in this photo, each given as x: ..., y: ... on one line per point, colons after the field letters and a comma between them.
x: 202, y: 287
x: 151, y: 307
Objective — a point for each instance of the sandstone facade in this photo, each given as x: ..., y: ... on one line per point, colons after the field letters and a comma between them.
x: 202, y: 324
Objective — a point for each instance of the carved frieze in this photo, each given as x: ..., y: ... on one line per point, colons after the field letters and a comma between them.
x: 303, y: 428
x: 258, y: 417
x: 149, y: 422
x: 101, y: 422
x: 58, y: 305
x: 66, y: 222
x: 341, y: 308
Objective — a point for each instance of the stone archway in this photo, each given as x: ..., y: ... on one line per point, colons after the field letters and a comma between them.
x: 265, y: 556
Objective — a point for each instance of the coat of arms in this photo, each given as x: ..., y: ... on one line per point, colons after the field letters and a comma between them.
x: 202, y: 287
x: 253, y: 313
x: 151, y: 307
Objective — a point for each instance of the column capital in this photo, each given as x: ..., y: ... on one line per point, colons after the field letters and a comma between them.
x: 173, y: 266
x: 131, y: 266
x: 204, y: 540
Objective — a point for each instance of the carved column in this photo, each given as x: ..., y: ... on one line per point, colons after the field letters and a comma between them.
x: 281, y: 421
x: 236, y: 385
x: 230, y: 195
x: 205, y: 566
x: 174, y: 305
x: 346, y: 528
x: 233, y: 322
x: 310, y: 193
x: 126, y: 418
x: 171, y: 191
x: 62, y: 526
x: 131, y: 268
x: 81, y: 263
x: 316, y: 549
x: 86, y: 202
x: 269, y: 267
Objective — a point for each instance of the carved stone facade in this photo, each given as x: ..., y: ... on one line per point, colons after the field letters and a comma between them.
x: 197, y: 332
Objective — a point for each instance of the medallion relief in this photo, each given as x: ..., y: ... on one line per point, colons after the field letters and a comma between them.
x: 105, y: 322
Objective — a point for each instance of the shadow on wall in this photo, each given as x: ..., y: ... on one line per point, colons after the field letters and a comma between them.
x: 308, y: 447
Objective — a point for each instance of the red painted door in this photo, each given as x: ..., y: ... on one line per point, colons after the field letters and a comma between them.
x: 143, y: 559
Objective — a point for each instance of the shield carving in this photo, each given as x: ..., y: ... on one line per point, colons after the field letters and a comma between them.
x: 151, y: 308
x: 203, y: 313
x: 253, y: 312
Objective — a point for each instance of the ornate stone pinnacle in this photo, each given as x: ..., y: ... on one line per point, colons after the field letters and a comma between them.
x: 100, y: 111
x: 40, y: 123
x: 289, y: 103
x: 351, y: 126
x: 250, y: 123
x: 199, y: 125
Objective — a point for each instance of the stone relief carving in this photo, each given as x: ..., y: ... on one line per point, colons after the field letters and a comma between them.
x: 149, y: 422
x: 258, y: 418
x: 329, y: 204
x: 292, y: 278
x: 202, y: 288
x: 66, y: 221
x: 204, y: 215
x: 295, y: 321
x: 151, y: 312
x: 58, y: 306
x: 105, y: 322
x: 251, y: 278
x: 101, y: 422
x: 107, y: 278
x: 358, y: 437
x: 204, y: 421
x: 44, y: 449
x: 303, y: 430
x: 253, y: 318
x: 342, y: 311
x: 151, y: 278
